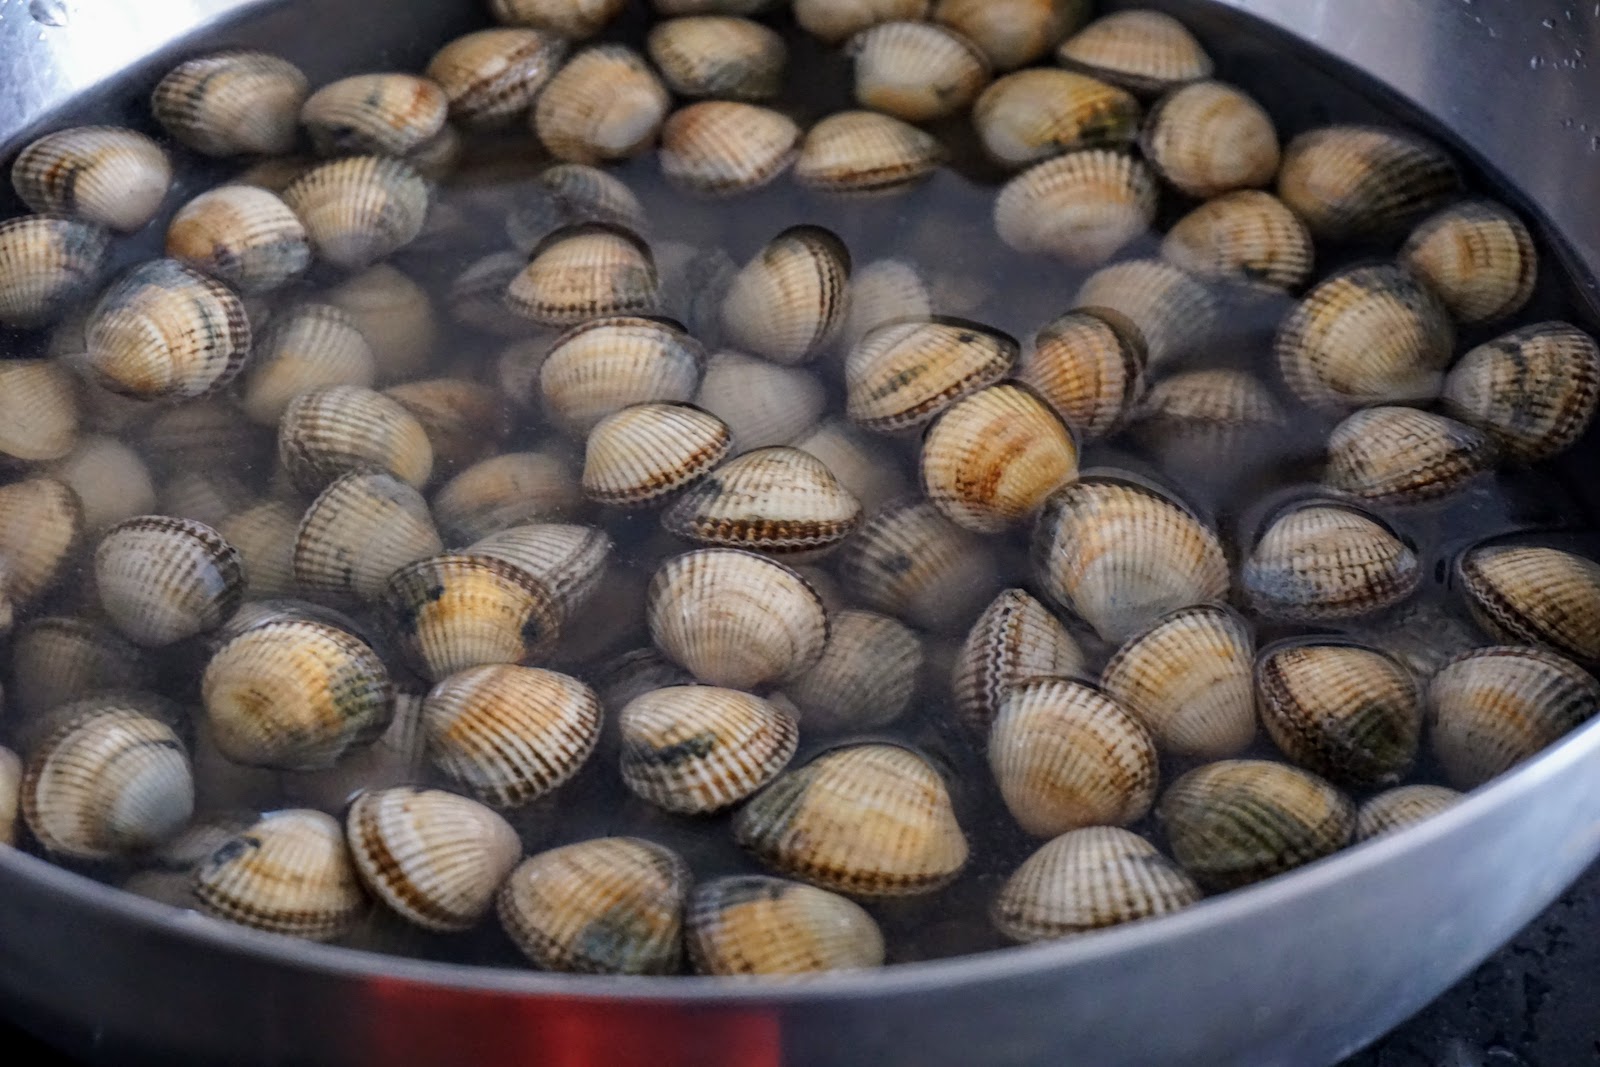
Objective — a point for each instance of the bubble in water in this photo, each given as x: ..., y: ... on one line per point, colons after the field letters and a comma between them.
x: 49, y: 12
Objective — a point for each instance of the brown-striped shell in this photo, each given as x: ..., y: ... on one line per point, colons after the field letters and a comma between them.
x: 1403, y: 806
x: 1325, y: 560
x: 570, y: 194
x: 1479, y: 258
x: 1534, y: 389
x: 1399, y: 455
x: 39, y: 414
x: 504, y: 491
x: 1086, y: 367
x: 162, y: 579
x: 763, y: 403
x: 1015, y: 639
x: 1033, y: 114
x: 337, y: 429
x: 753, y: 924
x: 865, y: 677
x: 1080, y: 207
x: 567, y: 18
x: 359, y: 209
x: 903, y: 374
x: 910, y: 561
x: 41, y: 527
x: 382, y: 114
x: 309, y: 346
x: 232, y: 103
x: 102, y: 174
x: 836, y: 20
x: 723, y: 147
x: 696, y: 749
x: 917, y: 71
x: 465, y: 420
x: 47, y: 263
x: 287, y: 873
x: 1013, y: 33
x: 585, y: 272
x: 1247, y: 237
x: 569, y: 559
x: 491, y: 77
x: 60, y: 658
x: 166, y: 332
x: 243, y: 235
x: 394, y: 314
x: 719, y: 56
x: 865, y: 152
x: 605, y: 104
x: 602, y: 366
x: 1168, y: 309
x: 790, y: 299
x: 1533, y: 595
x: 778, y: 500
x: 869, y: 820
x: 1209, y: 138
x: 647, y: 451
x: 358, y: 531
x: 1145, y: 51
x: 1353, y: 182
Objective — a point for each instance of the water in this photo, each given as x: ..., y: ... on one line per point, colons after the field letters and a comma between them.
x: 944, y: 227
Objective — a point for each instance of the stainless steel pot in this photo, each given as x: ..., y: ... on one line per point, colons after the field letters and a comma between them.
x: 1299, y: 971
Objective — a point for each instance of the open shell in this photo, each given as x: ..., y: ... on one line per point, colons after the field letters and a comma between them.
x: 1321, y: 561
x: 790, y: 299
x: 287, y: 873
x: 1354, y: 182
x: 1540, y: 596
x: 1534, y: 389
x: 752, y: 924
x: 1081, y: 207
x: 780, y: 500
x: 232, y: 103
x: 696, y: 749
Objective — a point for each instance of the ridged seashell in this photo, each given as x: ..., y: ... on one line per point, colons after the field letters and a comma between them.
x: 274, y: 173
x: 243, y: 235
x: 1145, y: 51
x: 776, y: 500
x: 47, y: 263
x: 56, y: 659
x: 1368, y: 335
x: 602, y: 366
x: 264, y: 534
x: 917, y: 71
x: 477, y: 297
x: 493, y: 76
x: 510, y: 734
x: 394, y: 314
x: 835, y: 20
x: 790, y: 299
x: 571, y: 194
x: 1199, y: 418
x: 164, y: 331
x: 862, y: 469
x: 1324, y: 561
x: 585, y: 272
x: 723, y: 148
x: 719, y: 56
x: 1089, y: 879
x: 1398, y: 455
x: 337, y: 429
x: 1492, y: 708
x: 1479, y: 258
x: 1396, y: 809
x: 381, y: 114
x: 1247, y: 237
x: 865, y: 677
x: 1235, y: 822
x: 1187, y: 678
x: 465, y: 421
x: 104, y: 174
x: 38, y: 410
x: 885, y: 291
x: 107, y: 783
x: 904, y: 374
x: 1168, y: 309
x: 450, y: 612
x: 208, y: 434
x: 361, y: 529
x: 254, y: 613
x: 232, y: 103
x: 1534, y: 389
x: 310, y: 346
x: 990, y: 459
x: 10, y: 795
x: 111, y: 480
x: 1353, y: 182
x: 696, y: 749
x: 605, y: 104
x: 1066, y: 756
x: 752, y: 924
x: 1120, y: 555
x: 288, y: 873
x: 1348, y: 713
x: 41, y: 526
x: 204, y: 496
x: 1209, y: 138
x: 911, y: 562
x: 1015, y: 639
x: 162, y: 579
x: 865, y: 152
x: 609, y: 905
x: 735, y: 619
x: 647, y: 451
x: 1080, y: 207
x: 1013, y: 33
x: 1034, y: 114
x: 763, y: 404
x: 867, y: 820
x: 359, y: 209
x: 1088, y: 369
x: 567, y: 18
x: 1540, y: 596
x: 435, y: 858
x: 504, y: 491
x: 570, y: 560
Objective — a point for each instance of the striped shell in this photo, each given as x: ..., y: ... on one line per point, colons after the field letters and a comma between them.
x: 1200, y: 419
x: 1086, y: 368
x: 1355, y: 182
x: 332, y: 431
x: 570, y: 194
x: 903, y: 374
x: 567, y: 18
x: 504, y: 491
x: 1145, y: 51
x: 718, y: 56
x: 102, y: 174
x: 1015, y: 639
x: 1034, y: 114
x: 1479, y: 258
x: 47, y: 264
x: 264, y: 534
x: 1534, y: 389
x: 1080, y: 207
x: 465, y: 420
x: 569, y: 559
x: 865, y: 678
x: 287, y: 873
x: 790, y: 299
x: 309, y: 346
x: 382, y: 114
x: 162, y: 579
x: 10, y: 795
x: 1013, y: 33
x: 860, y: 467
x: 39, y: 413
x: 1321, y: 561
x: 604, y: 104
x: 949, y: 577
x: 60, y: 658
x: 723, y: 147
x: 917, y: 71
x: 1248, y: 237
x: 835, y: 20
x: 359, y: 209
x: 361, y: 529
x: 41, y: 527
x: 865, y: 152
x: 166, y: 332
x: 777, y: 500
x: 696, y: 749
x: 491, y: 77
x: 232, y: 103
x: 1398, y: 455
x: 585, y: 272
x: 1208, y: 138
x: 752, y: 924
x: 1166, y: 308
x: 602, y: 366
x: 648, y: 451
x: 1396, y: 809
x: 1537, y: 596
x: 394, y: 314
x: 242, y: 235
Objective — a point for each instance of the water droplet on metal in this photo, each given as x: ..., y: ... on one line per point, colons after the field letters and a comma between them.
x: 49, y: 12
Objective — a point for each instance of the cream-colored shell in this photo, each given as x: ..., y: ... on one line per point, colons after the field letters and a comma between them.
x: 288, y: 873
x: 865, y: 678
x: 1328, y: 561
x: 604, y: 104
x: 752, y: 924
x: 917, y: 71
x: 1081, y: 207
x: 111, y: 480
x: 162, y: 579
x: 951, y: 575
x: 104, y: 174
x: 696, y: 749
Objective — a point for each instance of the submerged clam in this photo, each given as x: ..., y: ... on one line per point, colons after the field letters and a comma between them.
x: 491, y: 77
x: 1034, y: 114
x: 242, y: 235
x: 585, y: 272
x: 1395, y: 809
x: 789, y: 300
x: 111, y: 480
x: 763, y: 404
x: 309, y: 346
x: 1166, y: 308
x: 1012, y: 33
x: 696, y: 749
x: 570, y: 194
x: 602, y: 366
x: 1247, y: 237
x: 1146, y: 51
x: 723, y: 147
x: 47, y: 263
x: 854, y: 461
x: 465, y: 420
x: 10, y: 795
x: 287, y: 873
x: 1534, y: 389
x: 753, y: 924
x: 1541, y: 596
x: 1398, y: 455
x: 836, y: 20
x: 1209, y: 138
x: 332, y: 431
x: 264, y: 534
x: 41, y: 527
x: 232, y: 103
x: 1325, y: 560
x: 865, y: 677
x: 102, y: 174
x: 1479, y: 258
x: 604, y: 104
x: 910, y: 561
x: 917, y: 71
x: 1200, y: 420
x: 394, y: 314
x: 719, y: 56
x: 865, y: 152
x: 361, y: 529
x: 359, y: 209
x: 384, y: 114
x: 776, y: 500
x: 885, y: 291
x: 575, y: 19
x: 60, y: 658
x: 648, y: 451
x: 569, y: 559
x: 39, y: 414
x: 1015, y: 639
x: 1353, y: 182
x: 903, y: 374
x: 505, y: 491
x: 1081, y: 207
x: 1088, y: 369
x: 162, y: 579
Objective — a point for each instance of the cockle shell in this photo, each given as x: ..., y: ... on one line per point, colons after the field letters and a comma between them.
x: 604, y: 104
x: 47, y: 263
x: 242, y: 235
x: 162, y: 579
x: 1015, y: 639
x: 232, y: 103
x: 1086, y: 368
x: 1200, y: 419
x: 164, y: 331
x: 570, y: 194
x: 865, y: 678
x: 492, y: 76
x: 861, y: 468
x: 383, y: 114
x: 903, y: 374
x: 1352, y: 182
x: 1037, y: 113
x: 450, y: 612
x: 10, y: 795
x: 1534, y: 389
x: 696, y: 749
x: 338, y: 429
x: 1013, y: 33
x: 394, y: 314
x: 102, y: 174
x: 1247, y: 237
x: 1479, y: 258
x: 723, y: 147
x: 574, y: 19
x: 110, y: 478
x: 1538, y: 596
x: 1399, y: 455
x: 1145, y: 51
x: 752, y: 924
x: 885, y: 291
x: 60, y: 658
x: 359, y: 209
x: 917, y: 71
x: 647, y: 451
x: 504, y: 491
x: 1081, y: 207
x: 359, y: 531
x: 910, y: 561
x: 287, y: 873
x: 1328, y: 561
x: 1209, y: 138
x: 465, y: 420
x: 789, y: 300
x: 1398, y: 808
x: 264, y: 534
x: 310, y: 346
x: 604, y: 365
x: 763, y: 403
x: 585, y: 272
x: 569, y: 559
x: 835, y: 20
x: 1166, y: 308
x: 39, y: 413
x: 779, y: 500
x: 41, y: 527
x: 865, y: 152
x: 719, y: 56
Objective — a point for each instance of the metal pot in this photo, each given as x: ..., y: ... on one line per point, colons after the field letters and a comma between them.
x: 1301, y: 970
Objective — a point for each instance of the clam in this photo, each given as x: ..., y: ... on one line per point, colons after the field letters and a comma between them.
x: 762, y: 403
x: 723, y: 147
x: 566, y: 18
x: 753, y: 924
x: 242, y: 235
x: 1066, y: 756
x: 1145, y: 51
x: 434, y: 858
x: 719, y: 56
x: 56, y: 659
x: 205, y: 497
x: 1356, y: 182
x: 1089, y: 369
x: 1015, y: 639
x: 10, y: 795
x: 1080, y: 207
x: 570, y: 194
x: 870, y: 820
x: 102, y: 174
x: 1209, y: 138
x: 585, y: 272
x: 516, y: 368
x: 38, y: 410
x: 275, y: 173
x: 910, y: 561
x: 162, y: 579
x: 361, y: 529
x: 1479, y: 258
x: 359, y: 209
x: 1396, y: 809
x: 232, y: 103
x: 394, y: 314
x: 647, y: 451
x: 1398, y: 455
x: 696, y: 749
x: 1034, y: 114
x: 111, y: 480
x: 917, y: 71
x: 1235, y: 822
x: 1013, y: 33
x: 1165, y: 307
x: 860, y: 469
x: 41, y: 527
x: 337, y: 429
x: 256, y: 613
x: 902, y: 375
x: 885, y: 291
x: 310, y: 346
x: 450, y: 612
x: 166, y: 332
x: 735, y: 619
x: 47, y: 263
x: 381, y: 114
x: 510, y: 734
x: 777, y: 500
x: 865, y: 677
x: 790, y: 299
x: 1534, y: 389
x: 465, y: 420
x: 865, y: 152
x: 1325, y: 560
x: 609, y: 905
x: 570, y: 560
x: 1537, y: 596
x: 491, y: 77
x: 477, y: 297
x: 635, y: 673
x: 287, y: 873
x: 1491, y: 708
x: 1367, y: 335
x: 1089, y: 879
x: 1186, y: 677
x: 1119, y: 555
x: 1197, y: 418
x: 264, y: 533
x: 835, y: 20
x: 505, y: 491
x: 1247, y: 237
x: 605, y: 104
x: 604, y: 365
x: 990, y: 460
x: 1348, y: 713
x: 107, y: 783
